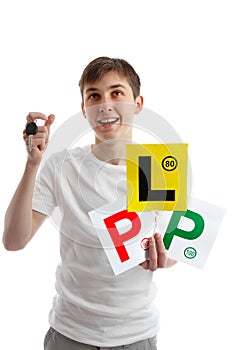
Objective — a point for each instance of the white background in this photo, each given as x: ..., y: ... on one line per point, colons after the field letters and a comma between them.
x: 183, y: 52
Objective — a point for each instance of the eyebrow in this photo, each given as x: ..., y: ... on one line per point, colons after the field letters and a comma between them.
x: 115, y: 86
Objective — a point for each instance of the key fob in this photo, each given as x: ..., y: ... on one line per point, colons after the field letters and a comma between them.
x: 31, y: 128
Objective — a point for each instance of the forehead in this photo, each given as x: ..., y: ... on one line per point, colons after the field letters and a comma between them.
x: 108, y: 81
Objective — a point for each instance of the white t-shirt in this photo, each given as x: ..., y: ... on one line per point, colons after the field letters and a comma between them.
x: 92, y: 305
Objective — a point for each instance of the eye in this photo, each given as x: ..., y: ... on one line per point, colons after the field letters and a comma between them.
x: 117, y: 93
x: 93, y: 96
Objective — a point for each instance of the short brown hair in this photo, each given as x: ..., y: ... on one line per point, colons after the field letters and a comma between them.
x: 96, y: 69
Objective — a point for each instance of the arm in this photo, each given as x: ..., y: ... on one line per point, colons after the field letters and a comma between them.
x: 21, y: 222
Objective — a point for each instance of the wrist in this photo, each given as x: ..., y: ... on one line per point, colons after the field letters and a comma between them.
x: 31, y: 167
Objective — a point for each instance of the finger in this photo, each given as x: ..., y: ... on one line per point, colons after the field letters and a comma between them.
x: 152, y: 255
x: 49, y: 121
x: 145, y: 264
x: 37, y: 140
x: 161, y: 251
x: 36, y: 143
x: 32, y: 116
x: 42, y: 134
x: 42, y: 131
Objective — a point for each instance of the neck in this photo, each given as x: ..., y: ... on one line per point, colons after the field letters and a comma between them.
x: 111, y: 151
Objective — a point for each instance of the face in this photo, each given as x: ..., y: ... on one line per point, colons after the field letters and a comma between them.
x: 109, y: 107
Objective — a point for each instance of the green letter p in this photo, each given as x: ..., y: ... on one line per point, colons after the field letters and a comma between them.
x: 173, y: 230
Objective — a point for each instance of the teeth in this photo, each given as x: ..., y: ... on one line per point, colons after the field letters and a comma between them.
x: 108, y: 121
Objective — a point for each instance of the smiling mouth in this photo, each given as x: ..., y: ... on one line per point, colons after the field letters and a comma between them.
x: 108, y: 121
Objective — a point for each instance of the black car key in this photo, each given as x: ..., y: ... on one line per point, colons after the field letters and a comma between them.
x: 31, y: 129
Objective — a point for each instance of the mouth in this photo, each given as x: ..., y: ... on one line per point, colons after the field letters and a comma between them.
x: 108, y: 121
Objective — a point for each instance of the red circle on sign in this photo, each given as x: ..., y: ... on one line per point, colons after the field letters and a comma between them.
x: 145, y: 243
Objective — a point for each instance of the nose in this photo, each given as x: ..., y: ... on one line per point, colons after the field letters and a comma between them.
x: 105, y: 107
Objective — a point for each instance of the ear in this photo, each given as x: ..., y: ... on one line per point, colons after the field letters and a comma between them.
x: 83, y: 109
x: 139, y: 104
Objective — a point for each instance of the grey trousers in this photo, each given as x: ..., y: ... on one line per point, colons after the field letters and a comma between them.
x: 56, y: 341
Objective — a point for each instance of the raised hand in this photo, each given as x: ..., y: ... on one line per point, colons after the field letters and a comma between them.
x: 37, y: 140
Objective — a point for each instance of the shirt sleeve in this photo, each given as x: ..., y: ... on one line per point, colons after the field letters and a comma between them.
x: 44, y: 195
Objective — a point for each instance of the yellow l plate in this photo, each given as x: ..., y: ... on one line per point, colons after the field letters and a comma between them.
x: 157, y: 176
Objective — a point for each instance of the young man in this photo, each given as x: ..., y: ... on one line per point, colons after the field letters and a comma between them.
x: 93, y: 308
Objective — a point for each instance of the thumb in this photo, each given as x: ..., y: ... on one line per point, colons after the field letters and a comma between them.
x: 50, y: 120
